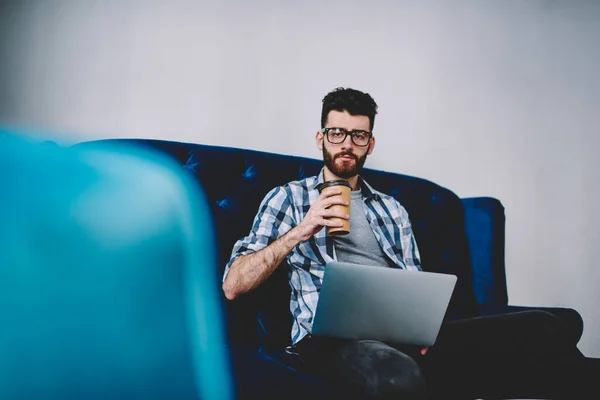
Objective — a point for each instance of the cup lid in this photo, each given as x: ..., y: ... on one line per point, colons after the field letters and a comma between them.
x: 336, y: 182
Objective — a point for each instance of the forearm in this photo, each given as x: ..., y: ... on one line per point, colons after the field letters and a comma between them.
x: 249, y: 271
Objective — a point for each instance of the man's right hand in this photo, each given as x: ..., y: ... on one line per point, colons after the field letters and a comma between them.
x: 320, y: 213
x: 249, y: 271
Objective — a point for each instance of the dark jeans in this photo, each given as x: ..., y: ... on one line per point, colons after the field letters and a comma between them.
x: 520, y: 355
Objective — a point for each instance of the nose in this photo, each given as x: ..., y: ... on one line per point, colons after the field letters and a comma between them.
x: 347, y: 143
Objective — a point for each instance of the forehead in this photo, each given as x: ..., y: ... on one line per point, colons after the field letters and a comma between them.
x: 341, y: 119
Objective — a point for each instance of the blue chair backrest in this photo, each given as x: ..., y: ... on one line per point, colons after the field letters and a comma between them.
x: 108, y: 278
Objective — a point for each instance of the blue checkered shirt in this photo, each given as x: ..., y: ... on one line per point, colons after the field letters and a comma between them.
x: 285, y: 206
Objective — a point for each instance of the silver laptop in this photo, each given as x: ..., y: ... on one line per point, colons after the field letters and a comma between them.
x: 379, y: 303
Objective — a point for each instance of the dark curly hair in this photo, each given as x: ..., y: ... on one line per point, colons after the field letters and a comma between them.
x: 353, y: 101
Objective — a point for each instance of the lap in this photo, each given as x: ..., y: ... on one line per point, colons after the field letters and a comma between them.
x: 373, y: 367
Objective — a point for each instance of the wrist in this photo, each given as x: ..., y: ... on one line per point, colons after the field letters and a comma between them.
x: 294, y: 237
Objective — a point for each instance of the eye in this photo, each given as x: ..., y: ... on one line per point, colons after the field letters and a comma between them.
x: 362, y: 136
x: 336, y: 133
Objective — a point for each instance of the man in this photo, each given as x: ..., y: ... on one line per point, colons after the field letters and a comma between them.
x: 289, y: 229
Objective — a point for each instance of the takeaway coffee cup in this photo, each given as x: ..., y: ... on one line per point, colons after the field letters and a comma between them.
x: 346, y: 189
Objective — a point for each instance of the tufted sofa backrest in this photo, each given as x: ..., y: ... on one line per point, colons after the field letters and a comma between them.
x: 236, y: 180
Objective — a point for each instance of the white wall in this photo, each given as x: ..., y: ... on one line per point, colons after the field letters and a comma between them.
x: 495, y: 98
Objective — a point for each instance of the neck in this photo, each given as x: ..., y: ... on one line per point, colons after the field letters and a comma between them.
x: 330, y: 176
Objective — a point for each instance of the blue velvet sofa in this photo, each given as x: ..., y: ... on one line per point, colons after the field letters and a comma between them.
x: 464, y: 237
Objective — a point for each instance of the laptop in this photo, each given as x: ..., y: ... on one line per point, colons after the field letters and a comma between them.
x: 378, y: 303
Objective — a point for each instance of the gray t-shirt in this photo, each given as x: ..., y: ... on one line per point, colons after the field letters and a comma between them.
x: 360, y: 246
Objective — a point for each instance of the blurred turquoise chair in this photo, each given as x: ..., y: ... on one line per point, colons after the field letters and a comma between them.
x: 108, y: 286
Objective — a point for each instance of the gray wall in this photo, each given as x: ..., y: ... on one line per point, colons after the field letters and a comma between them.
x: 496, y: 98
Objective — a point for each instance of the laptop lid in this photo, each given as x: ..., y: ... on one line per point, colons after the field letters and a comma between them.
x: 379, y: 303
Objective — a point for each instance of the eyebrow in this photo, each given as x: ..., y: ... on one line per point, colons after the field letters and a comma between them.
x: 349, y: 130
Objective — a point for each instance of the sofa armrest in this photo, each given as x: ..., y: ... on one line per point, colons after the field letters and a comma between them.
x: 484, y: 223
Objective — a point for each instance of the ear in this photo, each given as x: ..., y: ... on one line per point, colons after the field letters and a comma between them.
x: 319, y: 140
x: 371, y: 145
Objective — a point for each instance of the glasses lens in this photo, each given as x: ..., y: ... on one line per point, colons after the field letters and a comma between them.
x: 336, y: 135
x: 360, y: 138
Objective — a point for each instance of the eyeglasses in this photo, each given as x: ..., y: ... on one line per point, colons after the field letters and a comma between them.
x: 338, y: 135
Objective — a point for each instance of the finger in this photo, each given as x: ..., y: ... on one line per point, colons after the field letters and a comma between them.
x: 328, y: 193
x: 336, y: 200
x: 331, y: 223
x: 329, y: 213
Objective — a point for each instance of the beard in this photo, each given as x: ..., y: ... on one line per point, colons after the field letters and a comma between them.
x: 343, y: 169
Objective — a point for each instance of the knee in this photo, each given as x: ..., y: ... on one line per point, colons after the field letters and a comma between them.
x: 573, y: 322
x: 547, y: 323
x: 548, y: 332
x: 403, y: 379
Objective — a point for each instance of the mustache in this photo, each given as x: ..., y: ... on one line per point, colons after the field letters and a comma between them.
x: 346, y: 154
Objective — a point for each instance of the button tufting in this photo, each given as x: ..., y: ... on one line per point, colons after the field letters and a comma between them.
x: 224, y: 203
x: 191, y: 164
x: 250, y: 171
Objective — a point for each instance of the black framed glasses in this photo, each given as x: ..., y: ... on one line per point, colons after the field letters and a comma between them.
x: 338, y: 135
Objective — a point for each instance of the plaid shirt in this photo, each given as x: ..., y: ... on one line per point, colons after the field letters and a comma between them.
x: 284, y: 207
